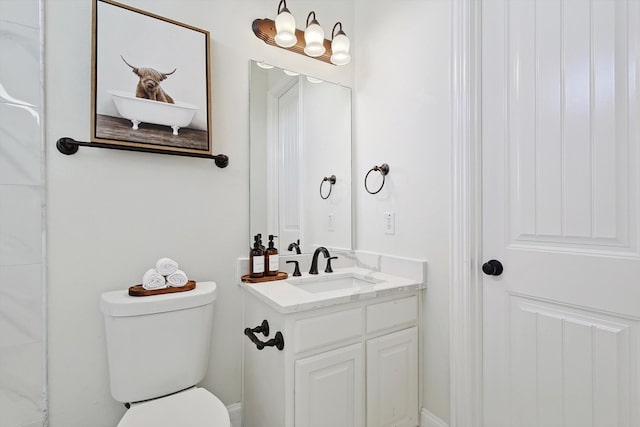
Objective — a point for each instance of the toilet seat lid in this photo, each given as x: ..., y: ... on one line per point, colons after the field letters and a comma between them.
x: 195, y: 407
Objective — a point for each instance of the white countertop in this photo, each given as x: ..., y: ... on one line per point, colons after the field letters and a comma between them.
x: 286, y: 296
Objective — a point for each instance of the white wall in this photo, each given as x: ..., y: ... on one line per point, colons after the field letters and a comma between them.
x: 113, y: 213
x: 402, y: 118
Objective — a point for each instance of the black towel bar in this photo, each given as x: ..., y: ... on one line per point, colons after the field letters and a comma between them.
x: 70, y: 146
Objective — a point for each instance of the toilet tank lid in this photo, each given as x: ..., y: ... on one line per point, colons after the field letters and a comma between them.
x: 121, y: 304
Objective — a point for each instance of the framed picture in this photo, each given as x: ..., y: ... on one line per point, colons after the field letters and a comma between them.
x: 150, y: 82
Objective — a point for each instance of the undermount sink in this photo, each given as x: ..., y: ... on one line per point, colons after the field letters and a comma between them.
x: 330, y: 283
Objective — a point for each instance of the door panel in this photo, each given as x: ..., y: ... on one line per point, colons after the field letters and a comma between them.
x: 566, y: 120
x: 392, y: 379
x: 560, y: 211
x: 574, y: 363
x: 290, y: 176
x: 329, y: 389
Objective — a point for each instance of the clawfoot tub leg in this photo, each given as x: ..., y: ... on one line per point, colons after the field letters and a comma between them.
x: 135, y: 124
x: 175, y: 129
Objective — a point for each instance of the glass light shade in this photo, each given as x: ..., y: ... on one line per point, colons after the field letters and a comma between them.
x: 285, y: 29
x: 314, y: 39
x: 340, y: 50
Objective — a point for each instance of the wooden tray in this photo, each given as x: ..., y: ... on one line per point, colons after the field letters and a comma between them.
x: 139, y: 291
x: 280, y: 276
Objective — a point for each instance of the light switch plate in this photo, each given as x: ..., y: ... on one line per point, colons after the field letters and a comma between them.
x: 331, y: 222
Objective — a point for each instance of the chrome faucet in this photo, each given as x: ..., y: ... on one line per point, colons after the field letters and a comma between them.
x: 314, y: 260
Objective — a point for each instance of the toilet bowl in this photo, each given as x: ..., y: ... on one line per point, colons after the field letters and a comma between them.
x: 195, y: 407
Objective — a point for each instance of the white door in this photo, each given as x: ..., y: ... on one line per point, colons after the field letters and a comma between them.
x: 392, y: 380
x: 560, y: 143
x: 329, y: 389
x: 289, y: 164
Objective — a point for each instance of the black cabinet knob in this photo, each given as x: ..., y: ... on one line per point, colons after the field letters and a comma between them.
x: 492, y: 267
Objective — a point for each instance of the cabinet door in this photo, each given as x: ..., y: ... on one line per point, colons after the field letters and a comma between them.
x: 329, y: 389
x: 392, y: 380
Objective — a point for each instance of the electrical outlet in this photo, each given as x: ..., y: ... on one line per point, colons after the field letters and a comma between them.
x: 389, y: 223
x: 331, y: 222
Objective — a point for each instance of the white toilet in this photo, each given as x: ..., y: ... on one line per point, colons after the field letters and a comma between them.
x: 158, y: 349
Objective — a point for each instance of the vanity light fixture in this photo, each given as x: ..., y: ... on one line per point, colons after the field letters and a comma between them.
x: 285, y: 27
x: 314, y: 37
x: 311, y: 42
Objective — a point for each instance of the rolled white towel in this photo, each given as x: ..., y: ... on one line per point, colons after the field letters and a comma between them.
x: 177, y: 279
x: 166, y: 266
x: 152, y: 279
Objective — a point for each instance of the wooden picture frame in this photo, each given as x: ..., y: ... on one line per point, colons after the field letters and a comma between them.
x: 150, y: 83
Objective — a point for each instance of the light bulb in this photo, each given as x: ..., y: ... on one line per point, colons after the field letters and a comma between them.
x: 285, y: 27
x: 314, y: 37
x: 339, y: 47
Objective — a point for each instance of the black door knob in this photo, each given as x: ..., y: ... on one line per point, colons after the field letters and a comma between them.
x: 492, y: 267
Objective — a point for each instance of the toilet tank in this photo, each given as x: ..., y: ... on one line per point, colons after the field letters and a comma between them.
x: 159, y: 344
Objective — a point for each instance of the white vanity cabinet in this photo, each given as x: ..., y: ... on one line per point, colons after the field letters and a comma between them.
x: 347, y: 365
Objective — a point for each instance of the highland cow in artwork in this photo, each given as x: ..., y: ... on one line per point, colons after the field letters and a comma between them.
x: 149, y: 84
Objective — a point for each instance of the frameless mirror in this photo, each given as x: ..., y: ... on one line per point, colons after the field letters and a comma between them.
x: 300, y: 160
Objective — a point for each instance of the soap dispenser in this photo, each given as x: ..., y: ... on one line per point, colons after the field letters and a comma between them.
x: 272, y: 259
x: 256, y: 259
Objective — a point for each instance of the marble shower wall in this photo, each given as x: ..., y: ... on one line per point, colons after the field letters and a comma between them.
x: 22, y: 339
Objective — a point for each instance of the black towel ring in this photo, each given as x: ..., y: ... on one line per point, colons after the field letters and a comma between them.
x: 332, y: 180
x: 384, y: 170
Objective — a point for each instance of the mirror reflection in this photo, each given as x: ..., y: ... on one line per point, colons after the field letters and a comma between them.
x: 300, y: 160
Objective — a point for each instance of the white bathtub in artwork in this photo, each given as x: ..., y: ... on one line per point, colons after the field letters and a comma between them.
x: 140, y: 110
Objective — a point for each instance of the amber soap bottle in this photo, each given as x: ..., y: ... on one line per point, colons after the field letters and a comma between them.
x: 256, y: 259
x: 272, y: 259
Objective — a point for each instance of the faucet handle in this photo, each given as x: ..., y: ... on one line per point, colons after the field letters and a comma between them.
x: 296, y: 270
x: 329, y: 269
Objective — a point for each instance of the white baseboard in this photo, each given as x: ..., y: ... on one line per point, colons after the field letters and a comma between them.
x: 235, y: 414
x: 427, y: 419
